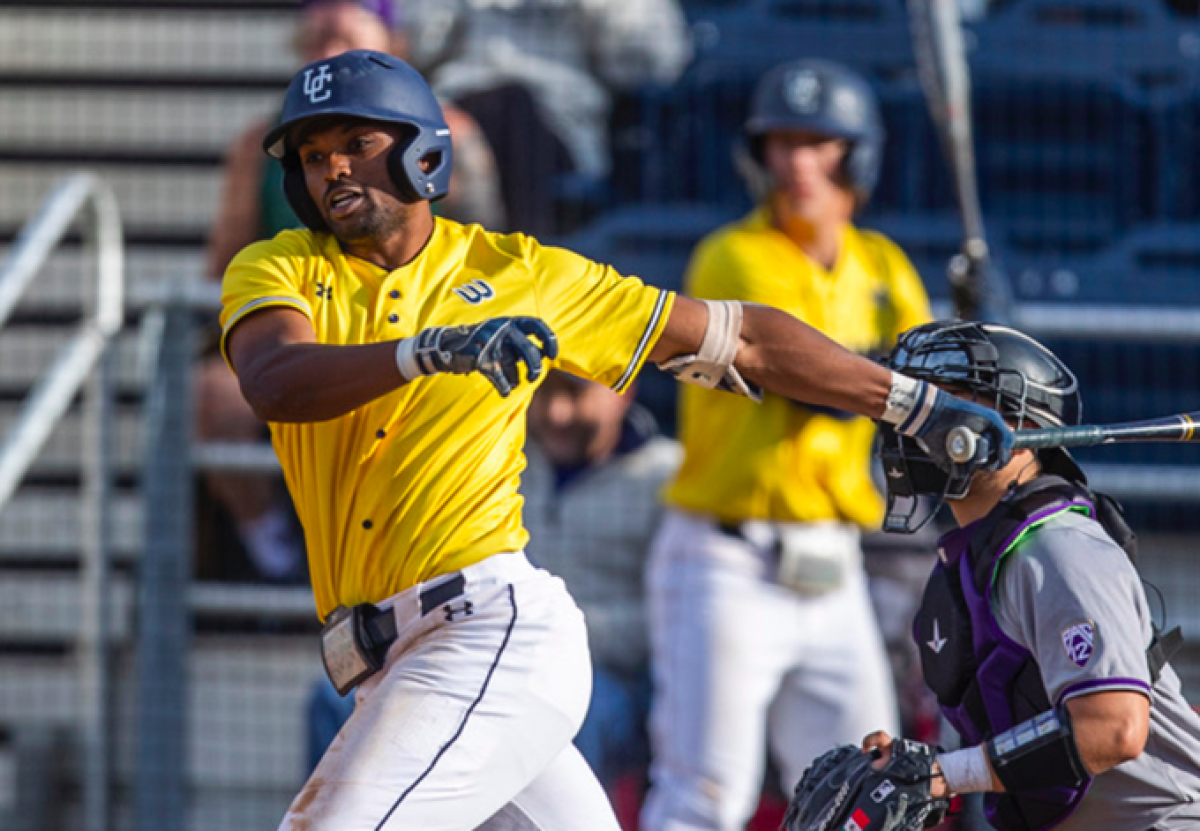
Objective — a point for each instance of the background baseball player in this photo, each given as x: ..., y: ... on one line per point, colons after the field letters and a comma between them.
x: 1034, y: 630
x: 762, y: 622
x: 385, y: 348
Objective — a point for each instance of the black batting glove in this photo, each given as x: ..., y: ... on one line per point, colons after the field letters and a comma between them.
x: 494, y: 348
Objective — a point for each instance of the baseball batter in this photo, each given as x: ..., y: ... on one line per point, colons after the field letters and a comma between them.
x: 1034, y: 630
x: 394, y: 355
x: 763, y: 628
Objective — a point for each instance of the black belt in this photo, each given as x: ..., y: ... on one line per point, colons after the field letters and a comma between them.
x: 380, y: 625
x: 731, y: 529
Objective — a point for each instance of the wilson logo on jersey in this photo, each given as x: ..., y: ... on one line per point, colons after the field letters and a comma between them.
x: 475, y: 292
x: 315, y: 85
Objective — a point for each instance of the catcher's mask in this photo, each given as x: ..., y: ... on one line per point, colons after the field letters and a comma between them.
x: 997, y: 366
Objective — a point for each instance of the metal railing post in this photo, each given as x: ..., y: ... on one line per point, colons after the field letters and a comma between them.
x: 95, y: 644
x: 46, y: 404
x: 164, y: 622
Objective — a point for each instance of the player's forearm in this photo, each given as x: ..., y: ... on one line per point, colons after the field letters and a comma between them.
x: 315, y: 382
x: 785, y: 356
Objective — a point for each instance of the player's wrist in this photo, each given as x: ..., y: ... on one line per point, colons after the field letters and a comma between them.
x: 909, y: 404
x: 965, y: 771
x: 414, y: 356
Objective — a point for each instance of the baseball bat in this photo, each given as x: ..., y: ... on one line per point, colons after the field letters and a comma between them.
x: 1182, y: 427
x: 946, y: 82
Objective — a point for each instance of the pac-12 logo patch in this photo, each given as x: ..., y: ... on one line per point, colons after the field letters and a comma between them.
x: 475, y: 292
x: 1080, y: 641
x: 316, y: 83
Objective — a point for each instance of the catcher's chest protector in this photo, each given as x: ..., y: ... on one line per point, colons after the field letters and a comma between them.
x: 984, y: 682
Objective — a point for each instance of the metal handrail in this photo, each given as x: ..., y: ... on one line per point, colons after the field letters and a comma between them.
x: 84, y: 361
x: 51, y: 396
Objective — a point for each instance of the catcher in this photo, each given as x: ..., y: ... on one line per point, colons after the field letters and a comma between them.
x: 1034, y: 631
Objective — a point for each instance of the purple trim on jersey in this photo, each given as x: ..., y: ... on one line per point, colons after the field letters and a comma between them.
x: 1045, y: 513
x: 1104, y: 683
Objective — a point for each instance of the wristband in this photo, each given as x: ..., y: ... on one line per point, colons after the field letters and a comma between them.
x: 966, y: 770
x: 406, y: 359
x: 909, y: 403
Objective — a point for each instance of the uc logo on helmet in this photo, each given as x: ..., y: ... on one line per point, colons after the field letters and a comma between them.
x: 315, y: 85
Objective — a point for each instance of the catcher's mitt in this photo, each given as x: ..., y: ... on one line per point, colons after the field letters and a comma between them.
x: 841, y: 791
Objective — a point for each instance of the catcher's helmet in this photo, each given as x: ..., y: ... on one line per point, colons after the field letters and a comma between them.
x: 826, y: 98
x: 378, y: 87
x: 998, y: 366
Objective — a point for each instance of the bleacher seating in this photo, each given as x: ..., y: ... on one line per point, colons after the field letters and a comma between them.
x: 1136, y: 39
x: 1065, y: 161
x: 148, y: 96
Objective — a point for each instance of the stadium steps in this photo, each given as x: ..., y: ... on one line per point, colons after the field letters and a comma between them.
x: 148, y: 94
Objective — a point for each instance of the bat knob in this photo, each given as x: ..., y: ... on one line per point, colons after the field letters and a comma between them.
x: 961, y: 443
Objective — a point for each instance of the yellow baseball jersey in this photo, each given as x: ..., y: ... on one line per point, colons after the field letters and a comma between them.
x: 780, y: 460
x: 423, y: 481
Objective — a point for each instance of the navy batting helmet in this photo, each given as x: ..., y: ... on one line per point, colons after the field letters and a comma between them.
x: 998, y: 366
x: 378, y: 87
x: 826, y: 98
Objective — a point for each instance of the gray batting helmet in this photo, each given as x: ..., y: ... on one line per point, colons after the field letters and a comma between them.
x: 378, y: 87
x: 826, y: 98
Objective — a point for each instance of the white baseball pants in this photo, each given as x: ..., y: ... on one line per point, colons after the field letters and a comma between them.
x: 741, y: 662
x: 469, y: 723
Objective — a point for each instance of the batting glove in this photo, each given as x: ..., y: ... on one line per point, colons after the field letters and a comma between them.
x: 495, y: 348
x: 931, y: 416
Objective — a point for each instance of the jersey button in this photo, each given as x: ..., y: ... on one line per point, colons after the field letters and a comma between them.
x: 393, y: 318
x: 395, y: 295
x: 379, y: 434
x: 367, y: 524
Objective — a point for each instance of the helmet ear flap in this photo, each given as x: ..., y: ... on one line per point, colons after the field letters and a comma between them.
x: 404, y: 167
x: 861, y: 167
x: 399, y: 172
x: 295, y: 190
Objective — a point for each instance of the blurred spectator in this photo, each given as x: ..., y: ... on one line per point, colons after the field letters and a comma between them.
x: 596, y: 466
x: 538, y: 76
x: 762, y: 629
x: 253, y: 208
